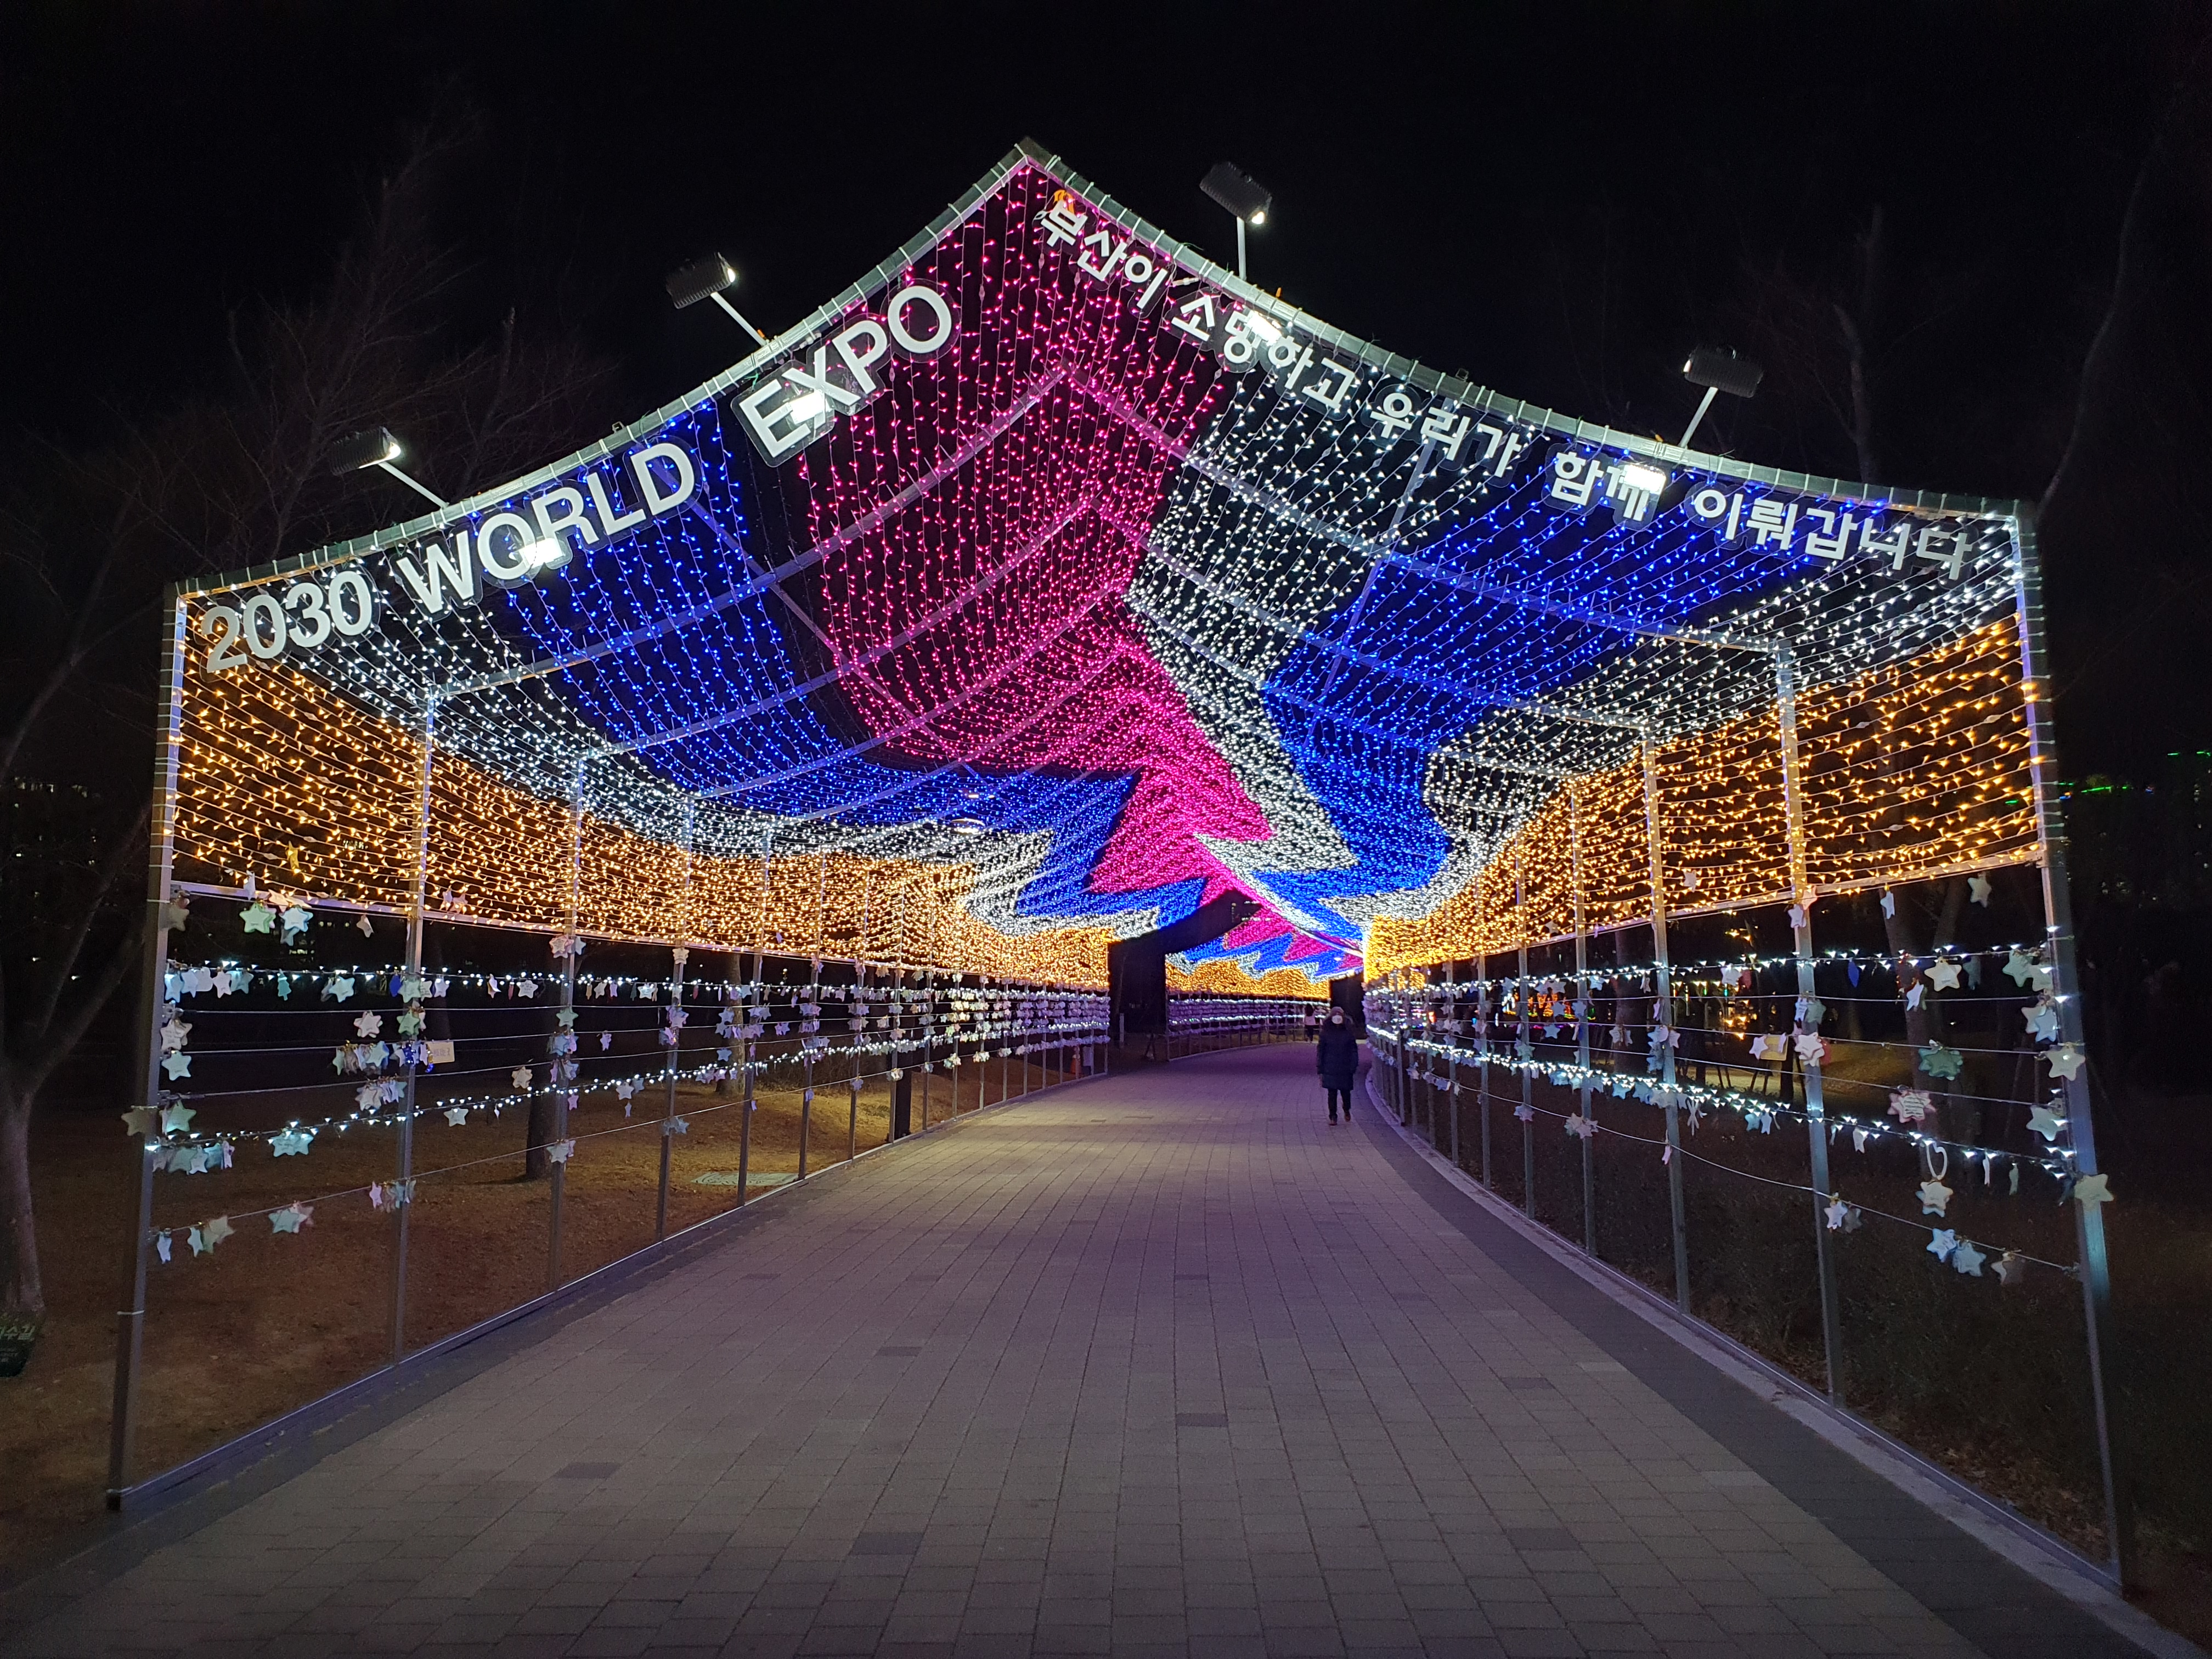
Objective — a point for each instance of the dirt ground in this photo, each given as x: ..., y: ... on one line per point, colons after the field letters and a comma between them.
x: 269, y: 1321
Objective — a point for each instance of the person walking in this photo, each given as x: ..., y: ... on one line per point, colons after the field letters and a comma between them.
x: 1336, y: 1057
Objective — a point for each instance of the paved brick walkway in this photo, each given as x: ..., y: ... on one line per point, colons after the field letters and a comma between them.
x: 1162, y: 1364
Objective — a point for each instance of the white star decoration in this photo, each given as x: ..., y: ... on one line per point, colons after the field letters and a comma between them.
x: 1933, y: 1195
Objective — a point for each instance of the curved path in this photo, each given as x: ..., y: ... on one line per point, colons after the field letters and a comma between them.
x: 1154, y: 1364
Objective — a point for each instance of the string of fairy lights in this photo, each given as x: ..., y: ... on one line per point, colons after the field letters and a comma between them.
x: 1268, y: 706
x: 1759, y: 1117
x: 1119, y: 616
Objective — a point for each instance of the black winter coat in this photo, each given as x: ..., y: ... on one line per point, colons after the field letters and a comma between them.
x: 1337, y: 1055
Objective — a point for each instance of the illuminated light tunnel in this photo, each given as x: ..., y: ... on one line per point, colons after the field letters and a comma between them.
x: 1052, y: 583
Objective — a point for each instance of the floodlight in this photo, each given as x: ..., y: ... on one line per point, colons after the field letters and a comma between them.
x: 705, y: 278
x: 1718, y: 371
x: 1245, y: 197
x: 364, y: 449
x: 702, y: 279
x: 375, y: 448
x: 1722, y: 371
x: 1232, y: 188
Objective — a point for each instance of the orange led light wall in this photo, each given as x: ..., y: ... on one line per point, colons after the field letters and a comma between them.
x: 1909, y: 771
x: 280, y: 780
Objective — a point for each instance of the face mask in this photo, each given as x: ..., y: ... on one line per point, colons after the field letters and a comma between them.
x: 1336, y: 1019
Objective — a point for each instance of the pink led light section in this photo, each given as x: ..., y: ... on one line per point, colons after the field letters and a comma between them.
x: 983, y: 621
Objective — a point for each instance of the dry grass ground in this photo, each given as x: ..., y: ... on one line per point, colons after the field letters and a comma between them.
x: 269, y: 1322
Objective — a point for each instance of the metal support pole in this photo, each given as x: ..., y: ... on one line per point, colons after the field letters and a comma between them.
x: 153, y: 999
x: 1451, y: 1098
x: 807, y: 1063
x: 2096, y: 1270
x: 1662, y: 1019
x: 681, y: 957
x: 1581, y: 1012
x: 1240, y: 247
x: 411, y: 978
x: 1405, y: 1071
x: 565, y: 1099
x: 1483, y: 989
x: 745, y: 1051
x: 1808, y: 1022
x: 1524, y: 1050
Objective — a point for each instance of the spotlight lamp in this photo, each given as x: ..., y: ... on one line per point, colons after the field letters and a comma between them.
x: 708, y: 278
x: 1245, y: 199
x: 378, y: 448
x: 1718, y: 371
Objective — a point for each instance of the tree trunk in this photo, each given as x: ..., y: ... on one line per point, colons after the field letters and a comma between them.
x: 22, y: 1293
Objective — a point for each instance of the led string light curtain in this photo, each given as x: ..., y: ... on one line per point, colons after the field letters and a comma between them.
x: 1050, y: 583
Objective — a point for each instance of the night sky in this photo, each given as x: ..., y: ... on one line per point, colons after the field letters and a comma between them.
x: 1555, y: 200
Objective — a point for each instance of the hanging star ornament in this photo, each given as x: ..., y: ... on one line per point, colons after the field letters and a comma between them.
x: 162, y: 1243
x: 1937, y: 1060
x: 2091, y: 1190
x: 2065, y: 1060
x: 140, y: 1121
x: 368, y: 1025
x: 519, y: 1077
x: 257, y: 918
x: 1968, y: 1259
x: 176, y: 1065
x: 2042, y: 1021
x: 561, y: 1151
x: 457, y: 1115
x: 1838, y: 1213
x: 177, y: 1119
x: 1933, y: 1196
x: 291, y: 1218
x: 1942, y: 1242
x: 2020, y: 968
x: 204, y: 1238
x: 1943, y: 973
x: 1888, y: 903
x: 1978, y: 888
x: 291, y: 1143
x: 2045, y: 1122
x: 367, y: 930
x: 2011, y: 1268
